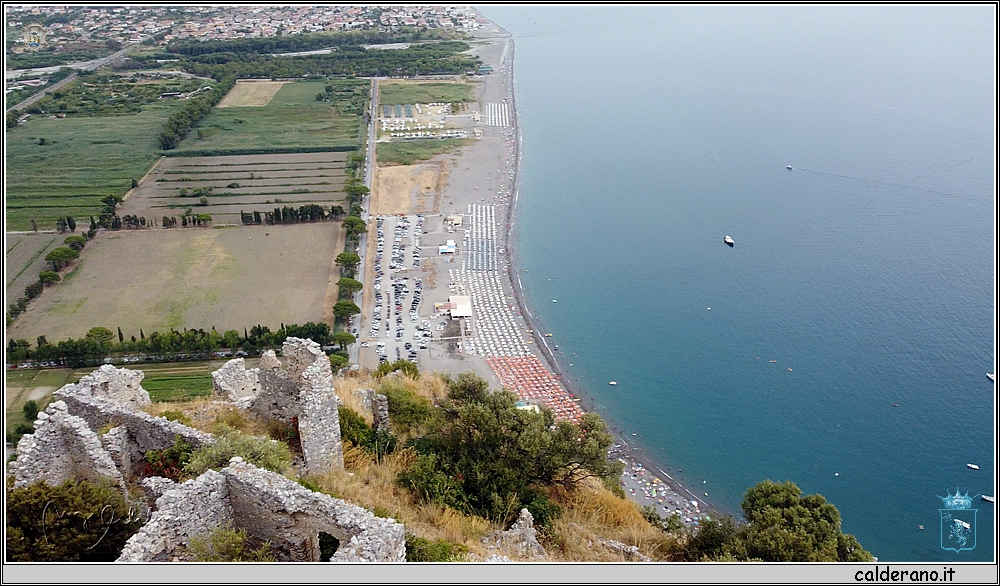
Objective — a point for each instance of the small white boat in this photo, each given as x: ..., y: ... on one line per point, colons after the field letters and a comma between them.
x: 789, y: 167
x: 553, y: 301
x: 729, y: 240
x: 991, y: 376
x: 988, y: 499
x: 973, y: 466
x: 612, y: 383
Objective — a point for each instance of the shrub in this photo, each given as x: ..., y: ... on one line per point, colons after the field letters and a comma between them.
x: 419, y: 549
x: 407, y: 409
x: 170, y: 462
x: 264, y: 453
x: 30, y: 410
x: 77, y: 521
x: 354, y: 429
x: 228, y: 545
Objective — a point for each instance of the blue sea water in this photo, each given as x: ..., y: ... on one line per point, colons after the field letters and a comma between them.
x: 869, y: 270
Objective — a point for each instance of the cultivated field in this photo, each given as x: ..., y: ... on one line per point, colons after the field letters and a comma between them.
x: 239, y: 183
x: 82, y: 160
x: 293, y: 118
x: 250, y: 94
x: 25, y: 258
x: 409, y: 152
x: 193, y: 278
x: 423, y: 92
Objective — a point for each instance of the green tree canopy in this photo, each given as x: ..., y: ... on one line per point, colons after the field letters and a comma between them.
x: 346, y: 308
x: 782, y: 526
x: 100, y: 335
x: 343, y: 338
x: 485, y: 456
x: 344, y: 259
x: 49, y: 277
x: 77, y: 521
x: 349, y: 285
x: 354, y: 225
x: 62, y: 256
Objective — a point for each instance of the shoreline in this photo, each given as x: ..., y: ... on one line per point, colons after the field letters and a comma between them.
x: 626, y: 452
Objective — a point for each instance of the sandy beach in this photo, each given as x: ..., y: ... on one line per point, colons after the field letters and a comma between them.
x: 473, y: 206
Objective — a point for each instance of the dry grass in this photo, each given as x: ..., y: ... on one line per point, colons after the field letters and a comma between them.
x: 345, y: 388
x: 251, y: 94
x: 206, y: 414
x: 592, y: 511
x: 373, y: 485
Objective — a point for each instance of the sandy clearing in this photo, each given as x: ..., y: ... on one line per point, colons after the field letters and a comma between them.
x: 402, y: 189
x: 250, y: 94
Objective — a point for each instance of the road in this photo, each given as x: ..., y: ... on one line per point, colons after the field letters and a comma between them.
x: 369, y: 171
x: 83, y: 66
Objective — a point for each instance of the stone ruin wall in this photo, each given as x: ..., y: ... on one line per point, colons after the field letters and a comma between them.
x: 63, y: 447
x: 270, y: 508
x: 302, y: 391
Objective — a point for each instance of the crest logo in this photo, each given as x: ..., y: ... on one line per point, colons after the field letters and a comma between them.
x: 958, y: 522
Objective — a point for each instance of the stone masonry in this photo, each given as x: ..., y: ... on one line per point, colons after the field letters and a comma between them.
x: 270, y: 508
x: 377, y: 405
x: 63, y: 447
x: 520, y: 541
x: 303, y: 391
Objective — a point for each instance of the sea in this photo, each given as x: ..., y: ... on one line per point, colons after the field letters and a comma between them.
x: 843, y: 342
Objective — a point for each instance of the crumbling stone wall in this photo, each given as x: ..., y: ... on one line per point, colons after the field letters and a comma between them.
x: 377, y: 405
x: 303, y: 391
x: 120, y: 387
x: 234, y: 382
x: 195, y: 507
x: 63, y: 447
x: 520, y: 541
x: 270, y: 508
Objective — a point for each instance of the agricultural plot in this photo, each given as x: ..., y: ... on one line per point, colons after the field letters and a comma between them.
x: 292, y: 119
x: 231, y: 184
x: 155, y: 280
x: 25, y: 258
x: 423, y: 92
x: 250, y: 94
x: 58, y: 167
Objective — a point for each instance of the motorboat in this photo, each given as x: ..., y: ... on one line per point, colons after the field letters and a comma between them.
x: 973, y: 466
x: 613, y: 383
x: 729, y: 240
x: 789, y: 167
x: 991, y: 376
x: 987, y: 498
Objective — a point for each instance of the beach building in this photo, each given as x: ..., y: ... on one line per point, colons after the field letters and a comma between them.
x: 461, y: 306
x: 447, y: 248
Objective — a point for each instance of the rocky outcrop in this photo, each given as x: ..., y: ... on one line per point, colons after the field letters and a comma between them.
x: 630, y: 552
x: 269, y: 507
x: 63, y: 447
x: 520, y: 541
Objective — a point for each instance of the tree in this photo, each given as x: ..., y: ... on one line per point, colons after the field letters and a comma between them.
x: 485, y: 456
x: 345, y: 260
x: 48, y: 277
x: 30, y: 410
x: 344, y: 339
x: 77, y: 521
x: 349, y: 285
x: 346, y: 308
x: 71, y: 223
x: 100, y: 335
x: 782, y: 526
x: 354, y: 225
x: 62, y: 256
x: 75, y: 242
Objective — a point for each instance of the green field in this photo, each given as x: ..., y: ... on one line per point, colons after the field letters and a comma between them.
x: 177, y: 387
x: 83, y: 159
x: 390, y: 93
x: 407, y: 153
x: 292, y: 119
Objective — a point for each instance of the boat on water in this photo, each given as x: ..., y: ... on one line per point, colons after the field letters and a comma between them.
x: 729, y: 240
x: 772, y: 361
x: 612, y: 383
x: 991, y: 376
x: 973, y: 466
x: 789, y: 167
x: 894, y: 404
x: 987, y: 498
